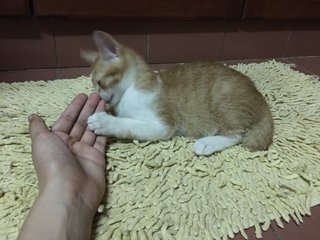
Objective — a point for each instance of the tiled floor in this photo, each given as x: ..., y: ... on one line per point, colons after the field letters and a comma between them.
x: 309, y: 230
x: 308, y: 65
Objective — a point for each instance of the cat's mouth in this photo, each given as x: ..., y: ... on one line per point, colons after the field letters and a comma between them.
x: 109, y: 99
x: 106, y: 97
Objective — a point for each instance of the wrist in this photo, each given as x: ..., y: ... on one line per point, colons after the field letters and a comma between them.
x: 58, y: 217
x: 64, y: 197
x: 69, y: 194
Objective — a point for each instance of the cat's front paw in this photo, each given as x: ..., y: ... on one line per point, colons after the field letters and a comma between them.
x: 99, y: 123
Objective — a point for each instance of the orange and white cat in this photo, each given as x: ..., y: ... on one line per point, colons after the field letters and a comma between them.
x: 208, y: 101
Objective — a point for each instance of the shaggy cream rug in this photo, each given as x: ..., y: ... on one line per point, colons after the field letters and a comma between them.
x: 161, y: 190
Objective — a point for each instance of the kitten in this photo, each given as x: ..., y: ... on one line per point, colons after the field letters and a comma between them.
x: 216, y: 104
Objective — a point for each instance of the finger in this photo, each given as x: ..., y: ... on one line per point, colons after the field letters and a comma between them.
x: 89, y: 137
x: 36, y: 126
x: 101, y: 141
x: 81, y: 122
x: 67, y: 119
x: 100, y: 144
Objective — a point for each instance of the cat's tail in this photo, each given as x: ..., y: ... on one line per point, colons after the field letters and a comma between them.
x: 259, y: 137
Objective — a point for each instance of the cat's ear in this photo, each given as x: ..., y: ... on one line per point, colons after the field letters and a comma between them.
x: 107, y: 46
x: 89, y: 56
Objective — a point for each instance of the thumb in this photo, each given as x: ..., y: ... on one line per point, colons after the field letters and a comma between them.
x: 36, y: 125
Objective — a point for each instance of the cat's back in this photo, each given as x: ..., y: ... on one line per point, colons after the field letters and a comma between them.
x: 208, y: 95
x: 201, y: 72
x: 200, y: 82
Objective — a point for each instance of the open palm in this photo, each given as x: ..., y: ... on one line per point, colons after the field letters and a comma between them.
x: 70, y: 159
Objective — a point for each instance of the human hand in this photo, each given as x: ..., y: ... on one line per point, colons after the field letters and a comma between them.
x: 69, y: 159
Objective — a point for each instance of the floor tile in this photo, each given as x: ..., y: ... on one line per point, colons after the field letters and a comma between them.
x: 266, y: 235
x: 26, y: 43
x: 161, y: 66
x: 185, y: 41
x: 309, y: 65
x: 65, y: 73
x: 308, y: 230
x: 247, y: 61
x: 254, y: 39
x: 27, y: 75
x: 304, y: 39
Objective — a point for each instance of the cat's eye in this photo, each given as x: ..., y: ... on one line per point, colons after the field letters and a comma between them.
x: 100, y: 84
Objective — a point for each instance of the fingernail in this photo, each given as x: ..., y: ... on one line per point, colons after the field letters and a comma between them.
x: 30, y: 117
x: 95, y: 94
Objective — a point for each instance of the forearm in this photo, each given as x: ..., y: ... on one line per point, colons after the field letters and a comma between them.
x: 52, y: 218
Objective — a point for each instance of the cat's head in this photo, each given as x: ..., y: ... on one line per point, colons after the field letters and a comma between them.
x: 111, y: 68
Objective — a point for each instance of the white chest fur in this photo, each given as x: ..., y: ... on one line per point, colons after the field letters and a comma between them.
x: 138, y: 104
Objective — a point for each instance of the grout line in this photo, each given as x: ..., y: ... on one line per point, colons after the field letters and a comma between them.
x: 55, y: 47
x: 243, y: 9
x: 148, y: 26
x: 226, y: 28
x: 31, y: 8
x: 286, y: 45
x: 147, y: 47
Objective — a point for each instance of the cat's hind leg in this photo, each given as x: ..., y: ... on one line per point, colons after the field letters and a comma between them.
x: 211, y: 144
